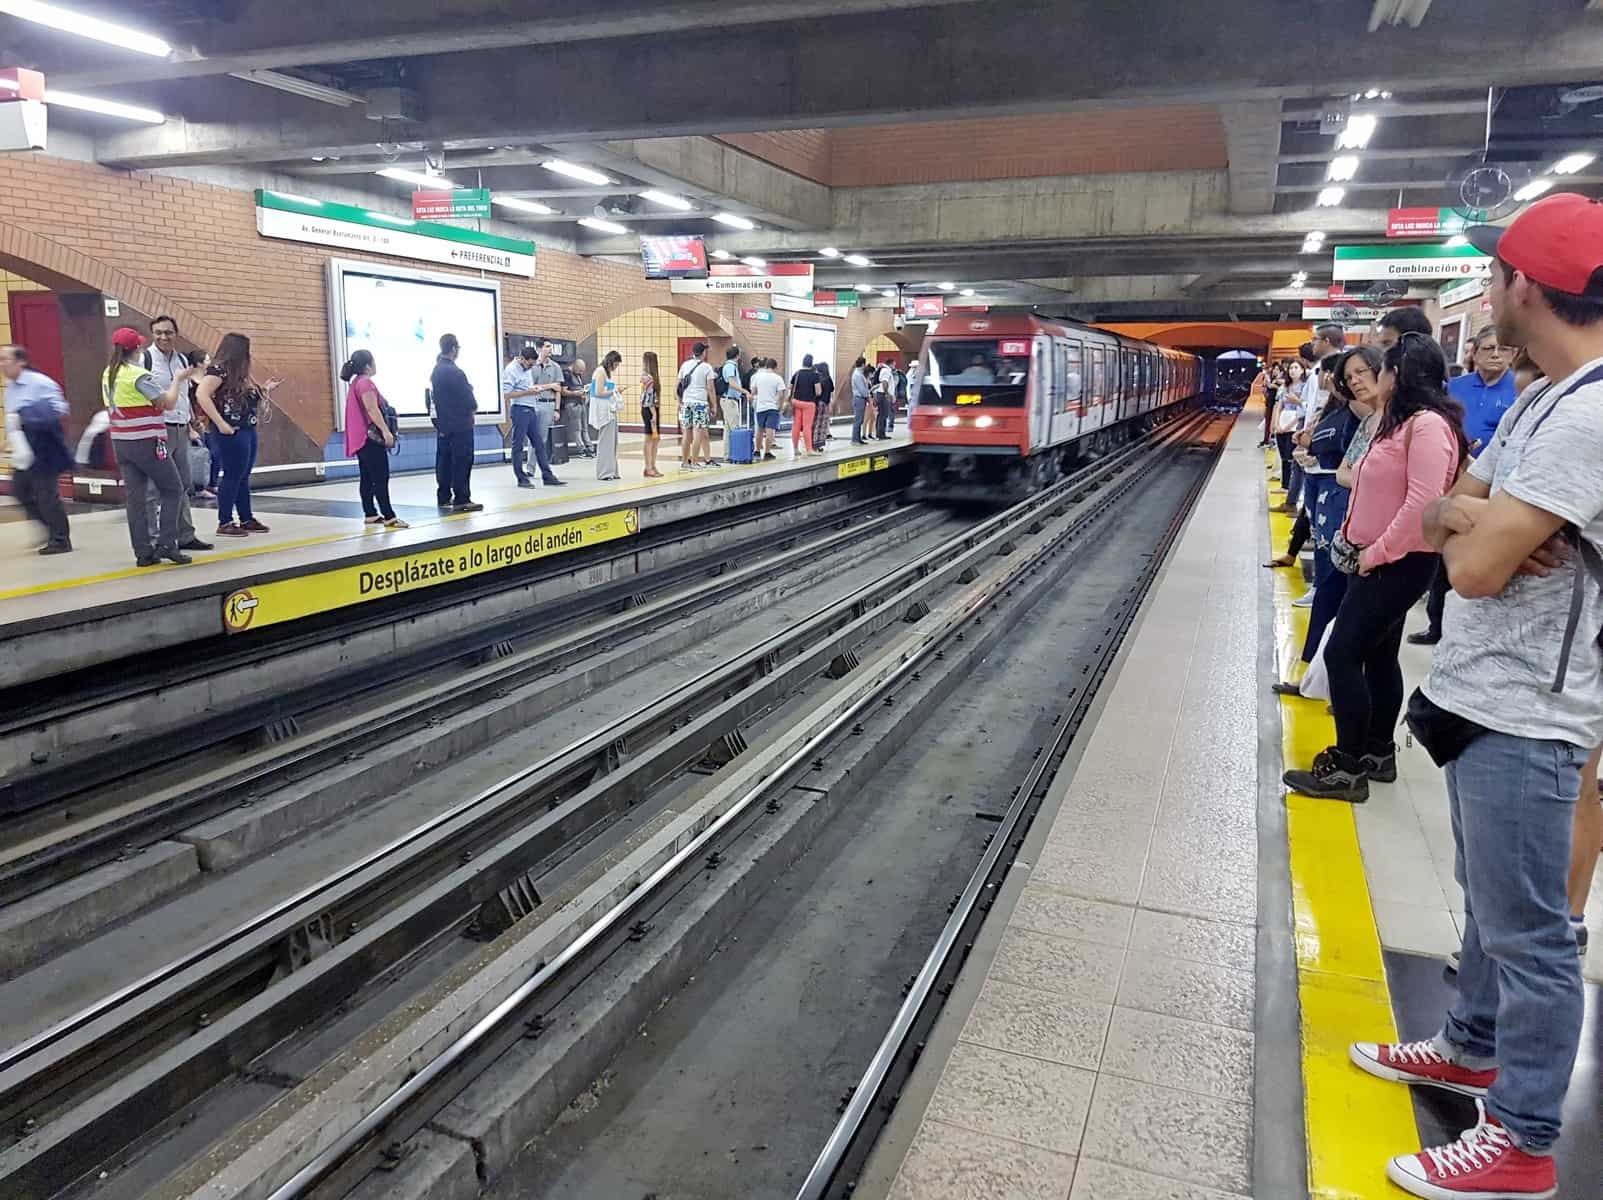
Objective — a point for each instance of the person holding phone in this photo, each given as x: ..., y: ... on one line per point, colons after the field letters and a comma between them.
x: 233, y: 403
x: 369, y: 438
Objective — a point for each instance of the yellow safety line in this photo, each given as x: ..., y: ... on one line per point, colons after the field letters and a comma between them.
x: 1354, y: 1121
x: 362, y: 532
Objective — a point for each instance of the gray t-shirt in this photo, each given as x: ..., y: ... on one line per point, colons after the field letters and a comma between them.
x: 1498, y: 656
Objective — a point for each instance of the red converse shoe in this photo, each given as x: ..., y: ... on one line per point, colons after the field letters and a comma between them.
x: 1484, y: 1164
x: 1419, y: 1062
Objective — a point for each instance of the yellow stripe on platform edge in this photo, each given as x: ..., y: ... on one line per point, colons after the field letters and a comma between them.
x: 1354, y: 1121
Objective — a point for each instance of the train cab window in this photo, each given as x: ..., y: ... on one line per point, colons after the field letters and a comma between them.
x: 991, y: 371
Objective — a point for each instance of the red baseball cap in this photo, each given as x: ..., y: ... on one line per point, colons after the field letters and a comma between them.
x: 1558, y: 241
x: 127, y: 339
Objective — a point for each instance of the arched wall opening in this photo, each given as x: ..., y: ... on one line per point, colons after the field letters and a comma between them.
x: 632, y: 328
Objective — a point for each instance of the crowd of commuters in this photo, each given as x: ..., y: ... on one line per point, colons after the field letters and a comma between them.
x: 1481, y: 492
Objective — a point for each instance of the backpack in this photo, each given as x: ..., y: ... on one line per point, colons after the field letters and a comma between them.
x: 720, y: 383
x: 685, y: 372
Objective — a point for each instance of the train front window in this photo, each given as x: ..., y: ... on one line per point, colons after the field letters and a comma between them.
x: 981, y: 372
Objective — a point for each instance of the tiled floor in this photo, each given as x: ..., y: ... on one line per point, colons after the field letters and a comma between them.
x: 1109, y: 1054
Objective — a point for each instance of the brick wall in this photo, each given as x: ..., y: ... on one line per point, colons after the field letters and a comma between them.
x: 163, y: 244
x: 804, y: 152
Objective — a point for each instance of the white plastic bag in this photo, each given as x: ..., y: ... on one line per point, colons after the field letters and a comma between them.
x: 1315, y: 683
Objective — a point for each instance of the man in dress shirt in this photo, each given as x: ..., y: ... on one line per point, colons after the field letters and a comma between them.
x: 163, y: 360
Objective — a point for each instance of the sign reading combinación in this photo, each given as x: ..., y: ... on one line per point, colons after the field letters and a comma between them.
x: 322, y: 223
x: 281, y: 600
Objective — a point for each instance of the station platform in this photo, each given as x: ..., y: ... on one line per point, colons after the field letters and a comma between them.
x: 1161, y: 1003
x: 75, y: 610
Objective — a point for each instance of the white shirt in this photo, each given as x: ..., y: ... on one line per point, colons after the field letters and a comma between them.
x: 887, y: 379
x: 766, y: 387
x: 162, y: 369
x: 915, y: 383
x: 699, y: 387
x: 1313, y: 401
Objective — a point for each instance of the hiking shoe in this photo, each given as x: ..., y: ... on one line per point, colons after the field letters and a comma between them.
x: 1333, y: 776
x: 1483, y: 1164
x: 1381, y: 768
x: 1419, y: 1062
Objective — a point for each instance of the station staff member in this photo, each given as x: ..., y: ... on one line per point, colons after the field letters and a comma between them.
x: 531, y: 383
x: 455, y: 407
x: 163, y: 360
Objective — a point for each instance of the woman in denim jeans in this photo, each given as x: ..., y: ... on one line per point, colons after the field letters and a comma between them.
x: 233, y: 404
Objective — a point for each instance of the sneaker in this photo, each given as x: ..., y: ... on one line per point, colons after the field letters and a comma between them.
x: 1306, y: 600
x: 146, y: 560
x: 1381, y: 768
x: 555, y: 482
x: 1419, y: 1062
x: 1483, y: 1164
x: 230, y: 530
x: 254, y: 526
x: 525, y: 483
x: 1333, y: 777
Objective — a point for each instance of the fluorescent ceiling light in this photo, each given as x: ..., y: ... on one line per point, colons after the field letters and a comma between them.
x: 389, y: 220
x: 667, y: 200
x: 574, y: 171
x: 755, y: 262
x: 1456, y: 241
x: 601, y: 226
x: 293, y: 197
x: 858, y: 260
x: 865, y: 290
x: 733, y: 221
x: 296, y: 86
x: 1533, y: 189
x: 1314, y: 235
x: 421, y: 179
x: 86, y: 26
x: 1571, y: 163
x: 518, y: 204
x: 830, y: 252
x: 109, y: 108
x: 1312, y: 247
x: 947, y: 287
x: 968, y: 291
x: 1343, y: 167
x: 1331, y: 196
x: 723, y: 254
x: 1359, y: 130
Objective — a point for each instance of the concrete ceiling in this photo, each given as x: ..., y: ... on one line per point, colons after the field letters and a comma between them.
x: 641, y: 90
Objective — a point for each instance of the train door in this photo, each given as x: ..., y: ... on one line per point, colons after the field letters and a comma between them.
x: 1096, y: 400
x: 1074, y: 387
x: 1041, y: 391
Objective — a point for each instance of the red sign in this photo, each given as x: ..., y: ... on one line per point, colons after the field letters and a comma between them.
x: 763, y: 316
x: 927, y: 306
x: 19, y: 83
x: 1013, y: 349
x: 1423, y: 222
x: 431, y: 205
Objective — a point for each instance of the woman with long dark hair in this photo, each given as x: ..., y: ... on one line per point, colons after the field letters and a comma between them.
x: 369, y: 438
x: 234, y: 406
x: 1288, y: 420
x: 650, y: 409
x: 1415, y: 457
x: 826, y: 394
x: 605, y: 400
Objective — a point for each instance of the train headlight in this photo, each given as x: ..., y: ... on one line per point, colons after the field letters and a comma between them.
x: 948, y: 422
x: 984, y: 422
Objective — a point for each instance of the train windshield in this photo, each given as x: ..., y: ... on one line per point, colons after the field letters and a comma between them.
x: 980, y: 371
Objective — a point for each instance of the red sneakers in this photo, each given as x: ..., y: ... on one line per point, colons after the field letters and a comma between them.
x: 1419, y: 1062
x: 1482, y: 1165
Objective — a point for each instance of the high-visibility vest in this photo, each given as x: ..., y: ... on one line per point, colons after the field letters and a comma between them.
x: 133, y: 417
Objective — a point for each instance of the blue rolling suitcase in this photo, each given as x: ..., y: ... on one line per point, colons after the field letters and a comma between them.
x: 741, y: 442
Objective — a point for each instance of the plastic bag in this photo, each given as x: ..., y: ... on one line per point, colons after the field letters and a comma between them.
x: 1315, y: 683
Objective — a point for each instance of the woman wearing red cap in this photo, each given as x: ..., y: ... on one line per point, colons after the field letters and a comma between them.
x: 137, y: 406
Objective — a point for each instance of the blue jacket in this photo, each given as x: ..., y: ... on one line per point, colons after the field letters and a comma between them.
x: 454, y: 403
x: 1484, y: 405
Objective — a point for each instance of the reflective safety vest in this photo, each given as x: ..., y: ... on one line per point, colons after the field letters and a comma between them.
x: 133, y: 417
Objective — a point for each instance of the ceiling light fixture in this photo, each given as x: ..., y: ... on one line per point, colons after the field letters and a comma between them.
x: 755, y: 262
x: 1359, y: 130
x: 858, y: 260
x: 723, y: 254
x: 601, y: 226
x: 296, y: 86
x: 518, y: 204
x: 1533, y: 189
x: 733, y: 221
x: 947, y: 287
x: 968, y: 291
x: 84, y: 25
x: 1330, y: 197
x: 1343, y: 167
x: 389, y: 220
x: 830, y: 252
x: 293, y: 198
x: 863, y: 289
x: 106, y: 108
x: 667, y: 200
x: 573, y: 171
x: 422, y: 179
x: 1571, y: 163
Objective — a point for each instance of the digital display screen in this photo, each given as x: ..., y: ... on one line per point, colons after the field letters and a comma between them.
x: 674, y: 257
x: 400, y: 320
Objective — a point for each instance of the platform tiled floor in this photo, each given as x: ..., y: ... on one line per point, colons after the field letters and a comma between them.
x: 1109, y: 1055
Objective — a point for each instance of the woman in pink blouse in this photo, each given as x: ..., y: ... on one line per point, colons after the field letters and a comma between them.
x: 1414, y: 459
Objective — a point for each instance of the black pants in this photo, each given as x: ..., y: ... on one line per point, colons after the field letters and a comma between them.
x: 453, y: 464
x: 374, y: 461
x: 1366, y: 682
x: 1299, y: 533
x: 1437, y: 599
x: 38, y: 493
x: 1283, y: 443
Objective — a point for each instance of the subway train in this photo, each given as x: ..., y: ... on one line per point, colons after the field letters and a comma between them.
x: 1009, y: 401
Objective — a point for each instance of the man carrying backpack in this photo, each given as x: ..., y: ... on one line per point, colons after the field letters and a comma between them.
x: 1513, y: 705
x: 696, y: 387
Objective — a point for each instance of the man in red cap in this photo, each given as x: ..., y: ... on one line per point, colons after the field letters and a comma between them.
x: 1512, y: 707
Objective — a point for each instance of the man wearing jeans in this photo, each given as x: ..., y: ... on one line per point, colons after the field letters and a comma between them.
x: 532, y: 385
x: 1513, y: 704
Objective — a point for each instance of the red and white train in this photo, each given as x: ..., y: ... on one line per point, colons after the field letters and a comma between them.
x: 1009, y: 401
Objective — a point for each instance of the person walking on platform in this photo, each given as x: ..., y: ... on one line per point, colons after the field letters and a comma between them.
x: 826, y: 397
x: 861, y: 393
x: 370, y: 426
x: 803, y: 396
x: 604, y: 402
x: 651, y: 410
x: 138, y: 410
x: 35, y: 408
x: 234, y: 404
x: 532, y: 387
x: 162, y: 359
x: 455, y: 407
x: 1513, y: 704
x: 696, y: 388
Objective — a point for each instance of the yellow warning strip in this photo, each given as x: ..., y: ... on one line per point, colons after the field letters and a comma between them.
x: 1355, y: 1122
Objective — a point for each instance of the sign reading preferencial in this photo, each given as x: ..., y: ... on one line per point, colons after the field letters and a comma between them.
x: 296, y: 219
x: 281, y: 600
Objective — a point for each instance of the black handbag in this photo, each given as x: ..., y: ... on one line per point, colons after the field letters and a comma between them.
x: 1444, y: 735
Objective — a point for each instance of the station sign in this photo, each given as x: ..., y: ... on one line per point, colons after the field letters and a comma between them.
x: 789, y: 279
x: 763, y: 316
x: 1408, y: 262
x: 926, y: 306
x: 804, y: 304
x: 1460, y: 290
x: 836, y: 297
x: 451, y: 204
x: 347, y: 227
x: 1424, y: 222
x: 1352, y: 313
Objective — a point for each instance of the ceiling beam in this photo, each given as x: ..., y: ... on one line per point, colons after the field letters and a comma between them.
x: 1252, y: 146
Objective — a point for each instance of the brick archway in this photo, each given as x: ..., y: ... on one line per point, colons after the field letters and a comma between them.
x: 694, y: 309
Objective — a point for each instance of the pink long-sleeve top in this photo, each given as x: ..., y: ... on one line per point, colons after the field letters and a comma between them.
x: 1394, y: 481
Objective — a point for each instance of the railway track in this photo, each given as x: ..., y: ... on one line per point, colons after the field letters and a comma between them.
x: 96, y: 1082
